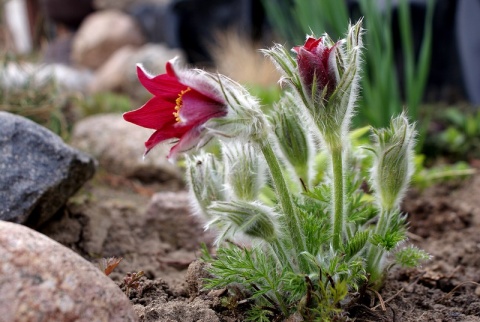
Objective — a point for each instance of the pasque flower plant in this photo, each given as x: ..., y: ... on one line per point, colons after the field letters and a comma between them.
x: 296, y: 235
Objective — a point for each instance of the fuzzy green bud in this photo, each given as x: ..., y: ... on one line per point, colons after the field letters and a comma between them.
x: 393, y: 164
x: 244, y: 170
x: 294, y: 139
x: 205, y: 176
x: 250, y: 218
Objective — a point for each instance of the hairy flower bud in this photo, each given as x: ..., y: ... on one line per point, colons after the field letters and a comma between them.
x: 244, y: 170
x: 325, y: 77
x: 250, y: 218
x: 317, y: 66
x: 205, y: 176
x: 393, y: 164
x: 294, y: 139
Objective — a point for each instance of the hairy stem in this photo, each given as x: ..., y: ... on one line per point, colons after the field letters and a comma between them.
x: 291, y: 217
x: 338, y: 197
x: 281, y: 253
x: 375, y: 253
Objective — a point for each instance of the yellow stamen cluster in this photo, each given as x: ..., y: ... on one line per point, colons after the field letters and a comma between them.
x: 179, y: 103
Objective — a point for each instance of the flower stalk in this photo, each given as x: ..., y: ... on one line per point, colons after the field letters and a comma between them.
x: 338, y: 198
x: 291, y: 217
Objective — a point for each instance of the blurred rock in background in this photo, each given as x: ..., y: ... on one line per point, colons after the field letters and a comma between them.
x: 101, y: 34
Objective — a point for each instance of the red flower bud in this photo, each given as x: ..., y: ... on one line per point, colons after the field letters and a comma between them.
x: 317, y: 67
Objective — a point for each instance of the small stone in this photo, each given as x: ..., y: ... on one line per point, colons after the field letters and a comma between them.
x: 119, y: 146
x: 101, y: 34
x: 119, y: 72
x: 111, y: 75
x: 477, y: 291
x: 41, y: 280
x: 38, y: 171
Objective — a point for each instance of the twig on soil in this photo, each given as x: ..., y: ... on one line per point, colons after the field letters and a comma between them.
x: 414, y: 237
x: 382, y: 303
x: 456, y: 288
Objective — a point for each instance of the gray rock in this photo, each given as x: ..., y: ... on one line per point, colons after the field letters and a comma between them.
x: 38, y: 171
x: 119, y: 147
x: 101, y: 34
x: 41, y: 280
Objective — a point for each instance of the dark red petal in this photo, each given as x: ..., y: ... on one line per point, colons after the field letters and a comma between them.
x: 161, y: 85
x: 311, y: 43
x: 198, y: 108
x: 187, y: 142
x: 170, y: 70
x: 307, y: 66
x: 155, y: 114
x: 165, y: 134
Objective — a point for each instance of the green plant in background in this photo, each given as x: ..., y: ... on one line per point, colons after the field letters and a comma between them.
x: 295, y: 231
x: 460, y: 140
x: 426, y: 177
x: 42, y: 102
x: 380, y: 98
x: 100, y: 103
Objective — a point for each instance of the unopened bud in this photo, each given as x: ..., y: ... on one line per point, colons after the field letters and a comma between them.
x: 245, y: 170
x: 294, y: 139
x: 250, y: 218
x: 326, y: 79
x: 205, y: 176
x: 393, y: 164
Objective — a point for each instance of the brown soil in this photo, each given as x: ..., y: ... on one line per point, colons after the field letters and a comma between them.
x: 108, y: 218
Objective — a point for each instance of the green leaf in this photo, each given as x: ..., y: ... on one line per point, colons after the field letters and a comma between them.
x: 411, y: 256
x: 355, y: 244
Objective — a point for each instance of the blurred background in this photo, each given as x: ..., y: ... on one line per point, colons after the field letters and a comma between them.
x: 63, y: 60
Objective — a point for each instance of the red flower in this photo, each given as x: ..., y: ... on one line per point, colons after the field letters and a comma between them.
x: 183, y: 101
x: 316, y: 63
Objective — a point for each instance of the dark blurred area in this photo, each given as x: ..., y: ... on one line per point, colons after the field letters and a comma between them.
x: 192, y: 24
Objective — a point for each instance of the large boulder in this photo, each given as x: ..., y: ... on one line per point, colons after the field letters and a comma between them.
x: 38, y: 171
x: 41, y: 280
x: 119, y: 147
x: 101, y: 34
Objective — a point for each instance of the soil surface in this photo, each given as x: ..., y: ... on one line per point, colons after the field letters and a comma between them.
x: 108, y: 217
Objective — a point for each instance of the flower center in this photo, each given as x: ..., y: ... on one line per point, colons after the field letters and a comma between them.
x: 179, y: 103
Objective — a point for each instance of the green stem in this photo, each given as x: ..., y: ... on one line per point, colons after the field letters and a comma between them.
x: 280, y: 253
x: 291, y: 217
x: 338, y: 197
x: 375, y: 253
